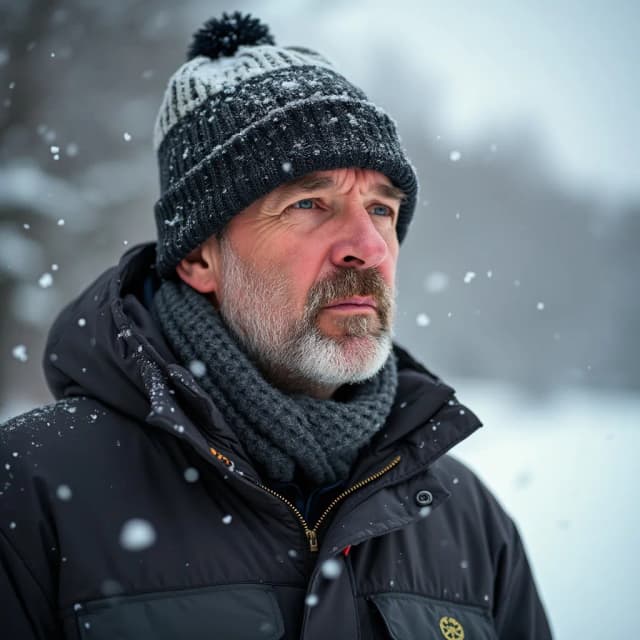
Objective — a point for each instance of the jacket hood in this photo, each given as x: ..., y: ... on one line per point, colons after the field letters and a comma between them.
x: 90, y: 345
x: 106, y: 345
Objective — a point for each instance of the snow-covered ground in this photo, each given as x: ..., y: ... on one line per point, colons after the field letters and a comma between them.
x: 566, y: 469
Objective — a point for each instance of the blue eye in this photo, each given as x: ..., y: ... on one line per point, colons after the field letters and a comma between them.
x: 381, y: 210
x: 307, y: 203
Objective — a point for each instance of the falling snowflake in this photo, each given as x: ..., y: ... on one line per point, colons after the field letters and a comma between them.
x: 137, y: 534
x: 423, y: 320
x: 436, y: 282
x: 331, y: 569
x: 311, y: 600
x: 469, y: 276
x: 126, y: 136
x: 197, y: 368
x: 63, y: 492
x: 540, y: 306
x: 191, y: 474
x: 454, y: 156
x: 19, y: 352
x: 227, y: 519
x: 111, y: 588
x: 45, y: 280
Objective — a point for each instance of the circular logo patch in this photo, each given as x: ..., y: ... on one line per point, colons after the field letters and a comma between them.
x: 451, y: 629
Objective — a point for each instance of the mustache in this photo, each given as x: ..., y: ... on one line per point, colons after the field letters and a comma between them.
x: 351, y: 282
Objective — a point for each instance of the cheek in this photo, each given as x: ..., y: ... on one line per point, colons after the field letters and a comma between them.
x: 302, y: 278
x: 388, y: 267
x: 291, y: 280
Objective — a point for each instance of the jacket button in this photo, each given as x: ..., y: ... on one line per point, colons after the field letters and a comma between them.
x: 424, y: 498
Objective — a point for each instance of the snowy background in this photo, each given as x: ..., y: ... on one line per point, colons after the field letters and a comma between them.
x: 518, y: 281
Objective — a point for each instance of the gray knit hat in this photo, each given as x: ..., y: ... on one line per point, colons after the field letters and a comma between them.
x: 243, y: 116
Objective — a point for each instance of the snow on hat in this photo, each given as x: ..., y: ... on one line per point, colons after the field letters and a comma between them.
x: 243, y: 116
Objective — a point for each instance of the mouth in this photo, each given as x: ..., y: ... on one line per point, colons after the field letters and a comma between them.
x: 356, y: 303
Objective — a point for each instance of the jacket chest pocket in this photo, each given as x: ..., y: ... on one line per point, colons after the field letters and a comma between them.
x: 232, y: 612
x: 412, y: 617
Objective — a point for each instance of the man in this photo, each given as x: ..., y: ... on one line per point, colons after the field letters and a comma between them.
x: 237, y: 449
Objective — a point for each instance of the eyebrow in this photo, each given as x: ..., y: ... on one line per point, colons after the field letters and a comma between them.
x: 313, y: 182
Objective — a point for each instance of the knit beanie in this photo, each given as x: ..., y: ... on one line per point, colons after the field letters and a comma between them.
x: 243, y: 116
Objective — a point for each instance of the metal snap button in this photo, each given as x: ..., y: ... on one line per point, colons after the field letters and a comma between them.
x: 424, y: 498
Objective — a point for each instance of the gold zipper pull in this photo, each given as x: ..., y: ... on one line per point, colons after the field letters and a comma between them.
x: 313, y: 540
x: 312, y: 534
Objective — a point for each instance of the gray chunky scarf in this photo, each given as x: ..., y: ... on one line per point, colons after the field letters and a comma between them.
x: 279, y: 431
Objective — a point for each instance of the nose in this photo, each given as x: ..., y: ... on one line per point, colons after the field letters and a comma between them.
x: 358, y: 243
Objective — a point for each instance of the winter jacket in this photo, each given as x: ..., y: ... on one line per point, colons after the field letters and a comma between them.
x: 129, y: 509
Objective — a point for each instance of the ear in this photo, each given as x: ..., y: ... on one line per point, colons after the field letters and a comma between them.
x: 201, y: 268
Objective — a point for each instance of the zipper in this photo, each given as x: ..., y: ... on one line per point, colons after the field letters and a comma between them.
x: 312, y: 533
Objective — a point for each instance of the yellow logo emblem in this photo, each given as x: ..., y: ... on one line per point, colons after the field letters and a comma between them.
x: 451, y: 629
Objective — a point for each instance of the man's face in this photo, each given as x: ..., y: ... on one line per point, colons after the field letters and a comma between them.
x: 307, y: 279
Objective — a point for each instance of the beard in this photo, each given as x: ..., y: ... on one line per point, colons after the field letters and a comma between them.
x: 292, y: 352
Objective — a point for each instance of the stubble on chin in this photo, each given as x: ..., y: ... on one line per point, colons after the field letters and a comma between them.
x: 291, y: 353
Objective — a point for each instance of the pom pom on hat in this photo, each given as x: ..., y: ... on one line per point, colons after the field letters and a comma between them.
x: 223, y: 36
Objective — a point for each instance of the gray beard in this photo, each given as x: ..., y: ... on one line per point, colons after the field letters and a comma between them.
x: 292, y: 353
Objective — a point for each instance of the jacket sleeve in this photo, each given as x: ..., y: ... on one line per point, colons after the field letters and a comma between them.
x: 518, y: 611
x: 26, y: 613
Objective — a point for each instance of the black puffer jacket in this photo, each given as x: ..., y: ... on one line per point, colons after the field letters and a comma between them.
x: 417, y: 546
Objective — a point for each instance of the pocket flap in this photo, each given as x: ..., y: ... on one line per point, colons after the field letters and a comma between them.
x: 408, y: 617
x: 232, y: 612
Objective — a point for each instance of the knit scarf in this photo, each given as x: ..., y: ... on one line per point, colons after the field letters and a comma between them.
x: 281, y: 432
